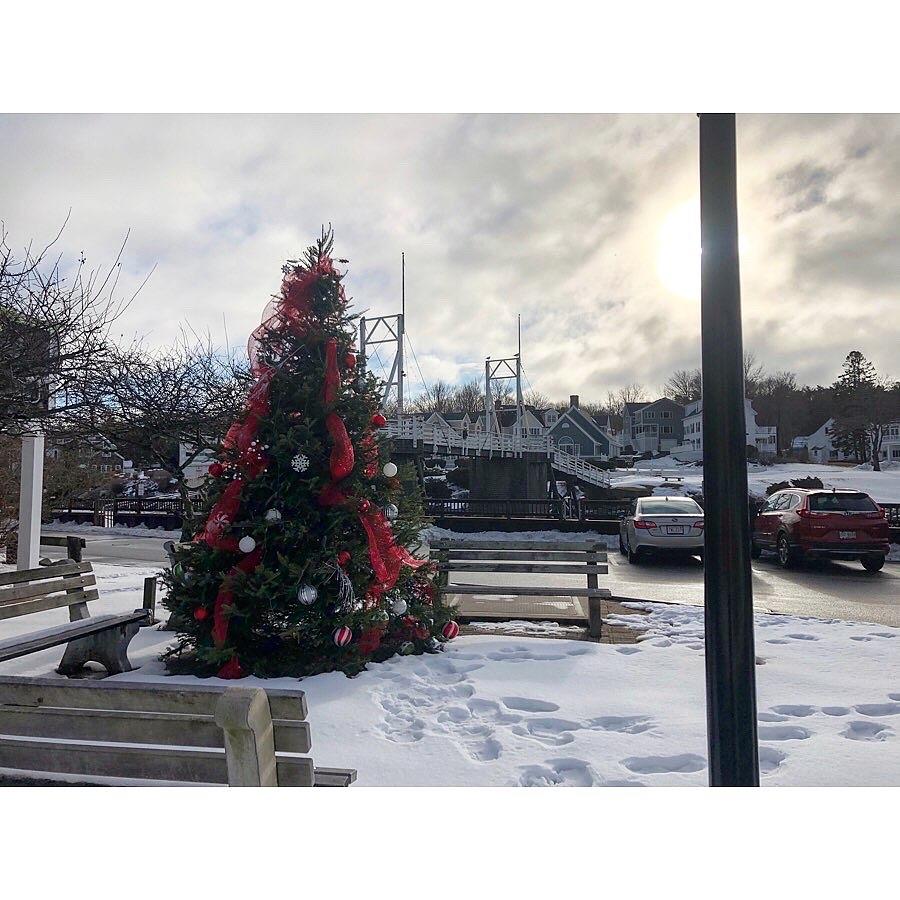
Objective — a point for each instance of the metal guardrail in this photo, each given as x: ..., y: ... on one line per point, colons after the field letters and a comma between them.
x: 165, y: 513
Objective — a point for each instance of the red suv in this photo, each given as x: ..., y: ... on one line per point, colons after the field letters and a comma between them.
x: 803, y: 522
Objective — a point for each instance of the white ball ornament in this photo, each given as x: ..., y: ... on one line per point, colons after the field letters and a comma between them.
x: 272, y: 516
x: 390, y: 470
x: 246, y: 544
x: 399, y: 607
x: 307, y: 594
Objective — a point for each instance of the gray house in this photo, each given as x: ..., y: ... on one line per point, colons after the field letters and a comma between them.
x: 654, y: 427
x: 579, y: 434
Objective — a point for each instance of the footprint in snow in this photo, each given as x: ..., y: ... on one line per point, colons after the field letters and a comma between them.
x: 527, y: 704
x: 657, y: 765
x: 627, y: 651
x: 803, y: 637
x: 552, y: 732
x: 878, y: 709
x: 836, y: 710
x: 488, y: 709
x: 770, y: 759
x: 798, y: 710
x: 559, y: 773
x: 867, y: 731
x: 783, y: 733
x: 622, y: 724
x: 771, y: 717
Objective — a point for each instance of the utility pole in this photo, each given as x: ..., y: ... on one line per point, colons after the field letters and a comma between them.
x: 727, y: 577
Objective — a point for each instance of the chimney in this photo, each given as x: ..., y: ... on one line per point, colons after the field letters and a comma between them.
x: 573, y: 400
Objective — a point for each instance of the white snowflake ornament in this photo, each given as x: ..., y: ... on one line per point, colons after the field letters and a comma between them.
x: 300, y: 463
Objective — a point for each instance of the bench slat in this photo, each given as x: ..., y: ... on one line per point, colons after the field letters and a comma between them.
x: 136, y: 727
x: 41, y: 604
x: 500, y: 590
x: 558, y: 568
x: 44, y: 573
x: 445, y: 544
x: 12, y: 648
x: 185, y: 764
x: 45, y: 588
x: 524, y: 555
x: 166, y: 696
x: 334, y: 777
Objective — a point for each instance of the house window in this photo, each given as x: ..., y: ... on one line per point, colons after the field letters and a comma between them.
x: 666, y: 429
x: 667, y: 414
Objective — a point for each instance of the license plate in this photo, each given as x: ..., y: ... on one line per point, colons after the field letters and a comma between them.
x: 847, y: 535
x: 674, y: 529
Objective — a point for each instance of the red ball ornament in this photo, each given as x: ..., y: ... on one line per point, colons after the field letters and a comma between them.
x: 450, y: 630
x: 296, y: 415
x: 378, y: 420
x: 342, y: 636
x: 216, y: 469
x: 365, y: 506
x: 201, y: 613
x: 343, y: 558
x: 232, y: 669
x: 350, y: 361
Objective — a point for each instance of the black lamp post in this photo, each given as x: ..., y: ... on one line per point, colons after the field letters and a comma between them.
x: 728, y: 590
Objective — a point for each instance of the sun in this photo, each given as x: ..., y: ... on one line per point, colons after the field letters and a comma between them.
x: 678, y: 250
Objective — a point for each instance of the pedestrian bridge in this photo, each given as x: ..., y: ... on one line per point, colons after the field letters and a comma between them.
x: 417, y: 434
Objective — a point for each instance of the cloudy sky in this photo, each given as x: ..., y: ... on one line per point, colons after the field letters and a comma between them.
x: 586, y: 225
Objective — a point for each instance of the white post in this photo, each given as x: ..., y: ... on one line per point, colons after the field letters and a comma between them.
x: 31, y: 488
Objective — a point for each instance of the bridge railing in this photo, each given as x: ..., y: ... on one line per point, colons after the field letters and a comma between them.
x: 497, y: 509
x: 410, y: 428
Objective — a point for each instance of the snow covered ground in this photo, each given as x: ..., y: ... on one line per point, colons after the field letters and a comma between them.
x: 883, y: 486
x: 502, y: 710
x: 89, y: 531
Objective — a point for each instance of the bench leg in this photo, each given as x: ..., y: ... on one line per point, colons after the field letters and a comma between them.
x: 109, y: 648
x: 595, y: 621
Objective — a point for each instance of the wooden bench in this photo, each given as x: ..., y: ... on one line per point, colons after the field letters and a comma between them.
x: 103, y: 639
x: 586, y: 558
x: 198, y: 734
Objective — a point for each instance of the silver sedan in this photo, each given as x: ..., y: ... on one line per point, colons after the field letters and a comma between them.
x: 662, y: 525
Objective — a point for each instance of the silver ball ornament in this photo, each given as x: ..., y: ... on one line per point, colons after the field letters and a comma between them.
x: 389, y: 470
x: 307, y: 594
x: 391, y: 512
x: 247, y: 544
x: 399, y: 607
x: 273, y: 516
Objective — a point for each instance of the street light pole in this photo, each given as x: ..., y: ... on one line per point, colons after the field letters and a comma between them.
x: 728, y: 589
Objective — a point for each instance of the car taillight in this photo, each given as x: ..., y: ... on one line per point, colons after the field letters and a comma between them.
x: 804, y: 513
x: 699, y: 524
x: 644, y: 523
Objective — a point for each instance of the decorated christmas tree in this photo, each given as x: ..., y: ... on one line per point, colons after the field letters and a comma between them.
x: 301, y: 562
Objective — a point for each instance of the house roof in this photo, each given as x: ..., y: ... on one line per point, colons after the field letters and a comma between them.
x: 633, y: 407
x: 591, y: 428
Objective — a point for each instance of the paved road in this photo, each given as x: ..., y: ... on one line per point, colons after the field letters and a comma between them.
x: 825, y: 590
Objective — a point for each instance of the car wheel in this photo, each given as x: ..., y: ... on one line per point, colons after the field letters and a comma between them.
x: 755, y: 550
x: 872, y: 563
x: 787, y: 557
x: 621, y: 545
x: 634, y: 556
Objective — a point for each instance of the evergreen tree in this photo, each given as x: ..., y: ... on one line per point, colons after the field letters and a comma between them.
x: 851, y: 428
x: 302, y: 565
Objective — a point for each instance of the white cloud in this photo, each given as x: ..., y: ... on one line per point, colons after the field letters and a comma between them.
x: 554, y: 217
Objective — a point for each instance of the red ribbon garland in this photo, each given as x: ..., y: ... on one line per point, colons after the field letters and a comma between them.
x: 386, y: 556
x: 225, y: 598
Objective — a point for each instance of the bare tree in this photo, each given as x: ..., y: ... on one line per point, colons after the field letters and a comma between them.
x: 617, y: 399
x: 54, y: 332
x: 159, y: 402
x: 754, y: 373
x: 469, y: 397
x: 536, y: 399
x: 683, y: 386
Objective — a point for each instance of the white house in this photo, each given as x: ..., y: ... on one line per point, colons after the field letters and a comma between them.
x: 890, y: 443
x: 819, y: 445
x: 763, y: 437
